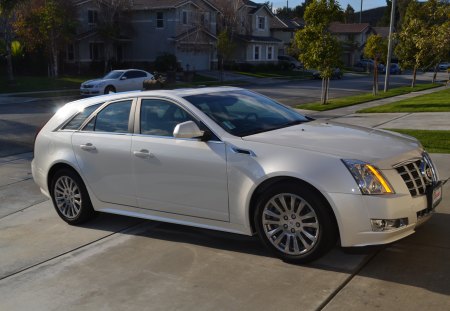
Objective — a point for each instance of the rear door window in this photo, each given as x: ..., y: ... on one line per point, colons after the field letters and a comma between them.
x: 113, y: 118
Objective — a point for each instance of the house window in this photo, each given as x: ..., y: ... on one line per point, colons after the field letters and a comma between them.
x: 70, y: 52
x: 202, y: 19
x: 270, y: 53
x: 261, y: 23
x: 96, y: 51
x: 185, y: 17
x: 159, y: 20
x: 257, y: 52
x: 92, y: 18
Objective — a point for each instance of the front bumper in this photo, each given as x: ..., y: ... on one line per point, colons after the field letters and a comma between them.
x: 89, y: 91
x: 354, y: 213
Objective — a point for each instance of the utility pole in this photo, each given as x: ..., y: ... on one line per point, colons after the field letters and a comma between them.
x: 287, y: 5
x: 360, y: 13
x: 388, y: 62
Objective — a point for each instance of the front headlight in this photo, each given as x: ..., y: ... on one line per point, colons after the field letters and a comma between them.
x: 368, y: 178
x: 98, y: 85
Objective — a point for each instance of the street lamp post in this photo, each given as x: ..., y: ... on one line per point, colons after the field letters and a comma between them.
x: 388, y: 61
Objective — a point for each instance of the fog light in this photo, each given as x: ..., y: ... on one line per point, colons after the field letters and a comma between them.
x: 379, y: 225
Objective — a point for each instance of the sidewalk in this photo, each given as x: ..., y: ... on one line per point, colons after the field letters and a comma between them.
x: 402, y: 120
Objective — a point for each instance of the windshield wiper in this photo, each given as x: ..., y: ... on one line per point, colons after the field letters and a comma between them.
x: 296, y: 122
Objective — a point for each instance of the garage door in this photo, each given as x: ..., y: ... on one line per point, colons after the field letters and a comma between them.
x: 195, y: 60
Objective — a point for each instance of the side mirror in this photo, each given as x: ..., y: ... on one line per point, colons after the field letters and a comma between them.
x: 123, y: 78
x: 187, y: 129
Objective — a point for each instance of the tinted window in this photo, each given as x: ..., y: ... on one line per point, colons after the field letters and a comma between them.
x: 76, y: 122
x: 113, y: 75
x: 113, y: 118
x: 135, y: 74
x: 159, y: 117
x: 243, y: 113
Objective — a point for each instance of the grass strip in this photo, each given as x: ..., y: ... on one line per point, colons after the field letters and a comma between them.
x: 35, y: 84
x: 366, y: 97
x: 278, y: 74
x: 434, y: 102
x: 434, y: 141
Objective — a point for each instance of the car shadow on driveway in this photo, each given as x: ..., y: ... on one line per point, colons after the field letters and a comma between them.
x: 420, y: 260
x: 338, y: 259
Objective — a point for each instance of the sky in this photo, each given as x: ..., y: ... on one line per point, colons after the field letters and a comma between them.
x: 356, y: 4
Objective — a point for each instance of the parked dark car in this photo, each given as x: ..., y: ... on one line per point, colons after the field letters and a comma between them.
x: 395, y: 69
x: 290, y: 62
x: 368, y: 64
x: 337, y: 74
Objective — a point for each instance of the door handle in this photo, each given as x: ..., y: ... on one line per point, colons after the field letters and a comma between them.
x: 143, y: 153
x: 88, y: 147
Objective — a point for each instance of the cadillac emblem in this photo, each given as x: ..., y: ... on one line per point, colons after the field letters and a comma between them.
x: 427, y: 172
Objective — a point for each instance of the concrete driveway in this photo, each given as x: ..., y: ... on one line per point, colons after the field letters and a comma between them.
x: 121, y: 263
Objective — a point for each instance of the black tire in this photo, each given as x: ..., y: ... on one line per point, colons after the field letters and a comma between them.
x: 85, y: 210
x: 326, y: 233
x: 110, y: 89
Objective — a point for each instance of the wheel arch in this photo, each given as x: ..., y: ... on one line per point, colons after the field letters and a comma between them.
x: 110, y: 85
x: 55, y: 168
x: 279, y: 179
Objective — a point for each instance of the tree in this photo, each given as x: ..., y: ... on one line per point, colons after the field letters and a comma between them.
x: 225, y: 48
x: 423, y: 39
x: 349, y: 14
x: 317, y: 47
x: 7, y: 17
x: 376, y: 48
x: 112, y: 22
x: 54, y: 21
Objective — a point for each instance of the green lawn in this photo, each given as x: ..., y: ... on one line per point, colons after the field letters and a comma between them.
x: 366, y: 97
x: 34, y: 83
x: 435, y: 102
x: 433, y: 141
x: 278, y: 74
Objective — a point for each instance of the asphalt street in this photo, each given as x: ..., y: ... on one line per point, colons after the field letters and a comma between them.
x: 21, y: 117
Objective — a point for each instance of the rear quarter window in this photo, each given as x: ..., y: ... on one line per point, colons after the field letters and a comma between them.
x: 80, y: 117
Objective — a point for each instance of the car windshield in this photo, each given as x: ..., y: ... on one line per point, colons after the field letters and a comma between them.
x: 115, y: 74
x: 243, y: 113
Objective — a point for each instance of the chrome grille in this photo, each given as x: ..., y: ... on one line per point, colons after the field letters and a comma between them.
x: 417, y: 174
x: 411, y: 174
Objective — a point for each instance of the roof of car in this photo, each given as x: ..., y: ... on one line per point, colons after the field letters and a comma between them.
x: 81, y: 103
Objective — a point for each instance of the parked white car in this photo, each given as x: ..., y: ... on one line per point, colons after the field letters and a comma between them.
x: 116, y: 81
x: 233, y: 160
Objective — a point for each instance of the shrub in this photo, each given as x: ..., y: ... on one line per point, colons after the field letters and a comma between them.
x: 166, y: 62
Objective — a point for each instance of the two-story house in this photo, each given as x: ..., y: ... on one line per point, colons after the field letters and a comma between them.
x: 250, y: 24
x: 254, y: 35
x: 148, y: 28
x: 353, y: 38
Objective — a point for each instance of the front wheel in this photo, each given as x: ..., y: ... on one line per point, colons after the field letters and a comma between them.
x: 110, y: 89
x: 70, y: 197
x: 295, y: 223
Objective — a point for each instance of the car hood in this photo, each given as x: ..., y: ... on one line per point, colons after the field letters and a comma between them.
x: 379, y: 147
x: 96, y: 81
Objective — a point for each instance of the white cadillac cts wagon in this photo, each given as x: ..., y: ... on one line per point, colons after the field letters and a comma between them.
x: 233, y: 160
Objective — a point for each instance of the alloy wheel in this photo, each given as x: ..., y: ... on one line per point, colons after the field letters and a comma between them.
x: 290, y: 224
x: 67, y: 197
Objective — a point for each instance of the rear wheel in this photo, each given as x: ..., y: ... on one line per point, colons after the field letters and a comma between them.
x: 295, y: 223
x: 70, y: 197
